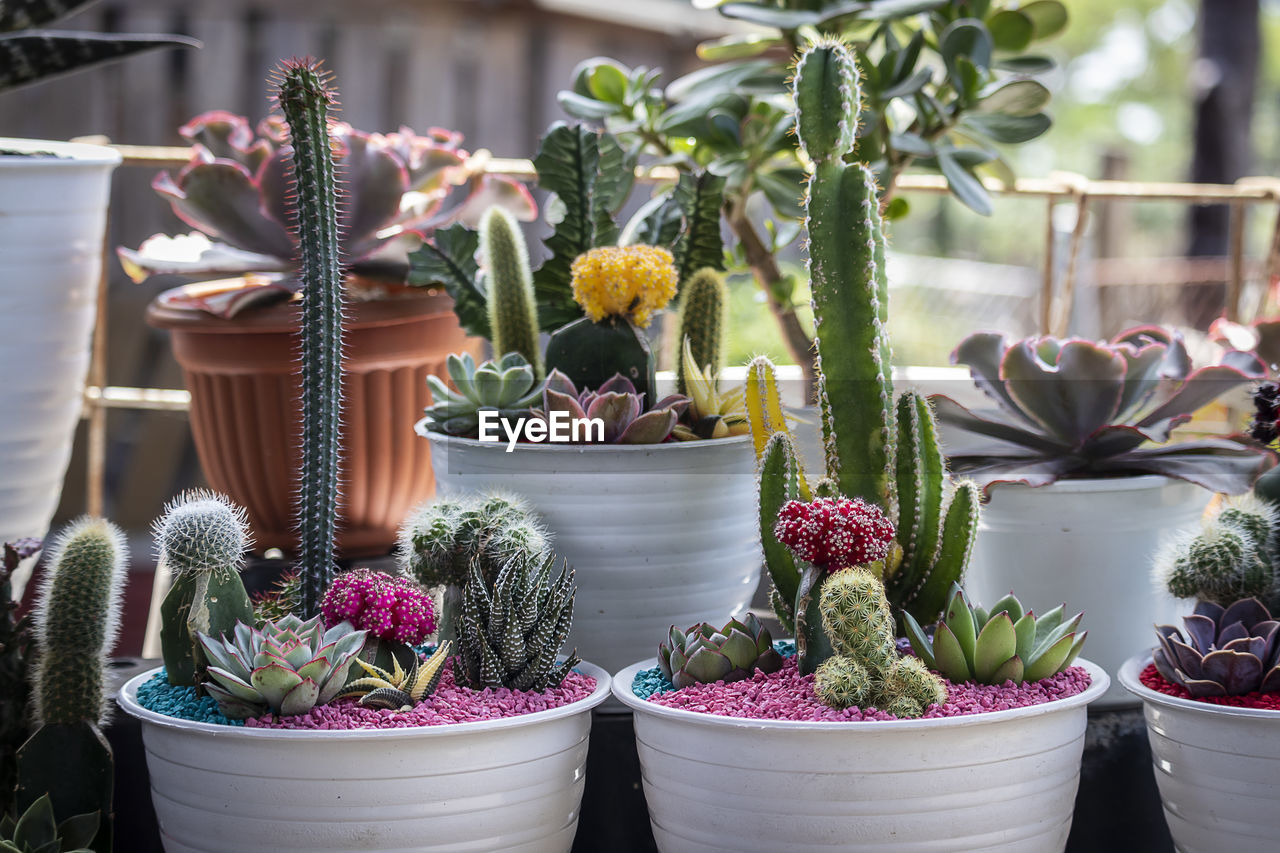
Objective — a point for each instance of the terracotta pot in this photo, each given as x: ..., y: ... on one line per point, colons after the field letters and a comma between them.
x: 244, y: 382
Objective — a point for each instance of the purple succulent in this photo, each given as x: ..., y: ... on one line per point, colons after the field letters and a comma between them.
x: 1226, y: 651
x: 1083, y: 408
x: 617, y: 404
x: 397, y: 187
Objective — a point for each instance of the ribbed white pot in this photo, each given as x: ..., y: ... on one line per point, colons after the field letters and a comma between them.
x: 1090, y: 544
x: 512, y: 784
x: 53, y: 210
x: 1004, y: 781
x: 658, y: 535
x: 1217, y: 767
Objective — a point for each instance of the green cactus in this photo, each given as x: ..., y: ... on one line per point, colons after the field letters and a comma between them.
x: 201, y: 538
x: 513, y: 314
x: 441, y: 540
x: 77, y: 616
x: 1232, y: 556
x: 866, y: 669
x: 512, y: 629
x: 305, y: 98
x: 780, y: 481
x: 883, y: 451
x: 702, y: 306
x: 590, y: 353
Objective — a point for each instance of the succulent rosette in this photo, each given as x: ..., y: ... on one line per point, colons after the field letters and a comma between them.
x: 617, y: 404
x: 1225, y: 651
x: 835, y: 533
x: 704, y: 654
x: 387, y: 607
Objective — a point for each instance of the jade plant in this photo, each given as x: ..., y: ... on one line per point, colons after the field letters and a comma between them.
x: 30, y: 52
x: 235, y: 191
x: 1076, y: 408
x: 201, y: 539
x: 704, y: 653
x: 76, y: 619
x: 1225, y: 651
x: 1005, y: 643
x: 878, y: 450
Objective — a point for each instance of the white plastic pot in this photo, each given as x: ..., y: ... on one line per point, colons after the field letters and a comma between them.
x: 509, y: 784
x: 658, y: 535
x: 1004, y: 781
x: 53, y: 210
x: 1090, y: 544
x: 1217, y: 767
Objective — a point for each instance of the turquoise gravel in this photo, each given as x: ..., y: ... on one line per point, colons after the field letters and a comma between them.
x: 157, y: 694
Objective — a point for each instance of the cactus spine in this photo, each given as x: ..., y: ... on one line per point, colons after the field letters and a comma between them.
x: 76, y: 620
x: 1232, y: 556
x: 201, y: 538
x: 866, y: 669
x: 513, y: 315
x: 702, y: 306
x: 883, y: 451
x: 305, y: 99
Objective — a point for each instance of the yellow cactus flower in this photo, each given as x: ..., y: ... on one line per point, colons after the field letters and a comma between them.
x: 624, y: 281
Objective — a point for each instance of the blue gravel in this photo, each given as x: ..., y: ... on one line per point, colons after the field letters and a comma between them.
x: 651, y: 682
x: 158, y: 695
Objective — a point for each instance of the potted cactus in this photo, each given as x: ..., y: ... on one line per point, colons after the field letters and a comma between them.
x: 53, y: 209
x: 234, y: 337
x: 1078, y: 472
x: 630, y: 499
x: 323, y: 699
x: 850, y: 724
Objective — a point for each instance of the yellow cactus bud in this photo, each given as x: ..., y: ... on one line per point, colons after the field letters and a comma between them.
x: 624, y: 281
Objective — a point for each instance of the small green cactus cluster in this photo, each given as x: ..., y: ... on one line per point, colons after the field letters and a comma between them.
x: 201, y: 538
x: 866, y: 669
x: 512, y: 630
x: 76, y: 618
x: 878, y: 449
x: 1232, y: 556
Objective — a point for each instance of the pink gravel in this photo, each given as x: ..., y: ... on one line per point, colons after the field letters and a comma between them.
x: 788, y: 695
x: 449, y: 704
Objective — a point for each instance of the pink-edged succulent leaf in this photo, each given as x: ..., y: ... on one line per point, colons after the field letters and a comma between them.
x: 222, y: 200
x: 617, y: 411
x: 1200, y: 388
x: 1143, y: 374
x: 301, y: 699
x: 484, y: 192
x: 375, y: 179
x: 1261, y: 339
x: 649, y: 428
x: 1217, y: 464
x: 1071, y: 398
x: 193, y: 254
x: 558, y: 401
x: 954, y: 414
x: 982, y: 353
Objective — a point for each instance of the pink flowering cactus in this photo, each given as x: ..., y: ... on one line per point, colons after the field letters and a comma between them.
x: 835, y: 533
x: 389, y: 608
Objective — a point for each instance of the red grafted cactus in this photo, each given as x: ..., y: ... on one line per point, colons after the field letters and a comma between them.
x: 387, y: 607
x: 835, y: 533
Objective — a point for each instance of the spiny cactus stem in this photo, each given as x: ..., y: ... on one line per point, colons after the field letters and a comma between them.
x: 305, y: 99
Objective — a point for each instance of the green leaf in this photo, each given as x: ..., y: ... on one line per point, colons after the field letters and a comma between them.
x: 969, y: 158
x: 607, y: 81
x: 1016, y: 97
x: 966, y: 38
x: 919, y: 642
x: 1011, y: 30
x: 567, y: 162
x: 1027, y: 64
x: 1006, y: 128
x: 784, y: 188
x: 950, y: 658
x: 580, y: 106
x: 656, y: 223
x: 964, y: 185
x: 886, y: 9
x: 996, y: 644
x: 1009, y: 604
x: 909, y: 86
x: 448, y: 259
x: 36, y: 827
x: 31, y: 56
x: 616, y: 176
x: 1051, y: 659
x: 700, y: 245
x: 78, y: 831
x: 790, y: 19
x: 1010, y: 670
x: 1048, y: 16
x: 897, y: 208
x: 959, y: 618
x: 1025, y: 629
x: 912, y: 144
x: 759, y: 74
x: 738, y: 46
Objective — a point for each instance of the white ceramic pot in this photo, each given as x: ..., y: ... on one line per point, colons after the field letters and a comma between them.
x: 1004, y: 781
x: 1217, y: 767
x: 658, y: 535
x: 53, y: 210
x: 1090, y: 544
x: 510, y: 784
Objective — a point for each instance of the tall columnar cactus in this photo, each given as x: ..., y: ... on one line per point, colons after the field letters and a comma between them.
x: 866, y: 669
x: 702, y: 306
x: 883, y: 451
x: 305, y: 99
x: 1232, y: 556
x: 201, y: 538
x: 513, y: 314
x: 76, y: 619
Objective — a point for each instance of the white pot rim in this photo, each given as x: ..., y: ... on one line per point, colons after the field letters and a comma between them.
x: 550, y: 448
x: 622, y: 690
x: 128, y: 699
x: 1133, y: 667
x: 70, y: 154
x: 1077, y: 485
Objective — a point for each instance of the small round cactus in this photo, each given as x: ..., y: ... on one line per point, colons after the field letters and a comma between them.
x: 201, y: 531
x: 842, y: 682
x: 76, y: 621
x: 439, y: 540
x: 1229, y: 558
x: 835, y: 533
x: 387, y: 607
